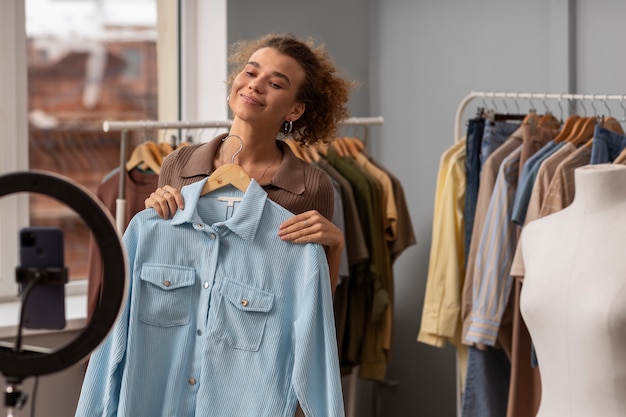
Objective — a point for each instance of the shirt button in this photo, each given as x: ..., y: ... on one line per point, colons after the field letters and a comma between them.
x: 199, y: 332
x: 198, y: 226
x: 206, y: 284
x: 192, y: 381
x: 167, y: 283
x: 244, y: 302
x: 213, y: 236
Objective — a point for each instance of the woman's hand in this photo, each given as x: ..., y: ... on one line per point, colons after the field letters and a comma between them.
x: 312, y: 227
x: 165, y: 201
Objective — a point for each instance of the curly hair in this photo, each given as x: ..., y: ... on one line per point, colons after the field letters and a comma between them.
x: 324, y: 93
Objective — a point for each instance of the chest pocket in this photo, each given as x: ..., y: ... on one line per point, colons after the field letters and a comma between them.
x: 166, y: 295
x: 242, y: 315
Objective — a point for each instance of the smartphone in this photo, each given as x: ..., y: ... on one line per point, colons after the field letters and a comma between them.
x: 42, y: 247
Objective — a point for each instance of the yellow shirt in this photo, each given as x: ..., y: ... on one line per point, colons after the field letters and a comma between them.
x: 441, y: 314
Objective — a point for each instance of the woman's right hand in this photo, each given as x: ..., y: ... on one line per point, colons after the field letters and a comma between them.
x: 165, y: 201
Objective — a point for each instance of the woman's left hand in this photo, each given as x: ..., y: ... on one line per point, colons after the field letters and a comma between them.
x: 311, y: 226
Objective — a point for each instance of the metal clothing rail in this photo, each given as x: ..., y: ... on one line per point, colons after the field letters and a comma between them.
x: 529, y: 96
x: 148, y: 125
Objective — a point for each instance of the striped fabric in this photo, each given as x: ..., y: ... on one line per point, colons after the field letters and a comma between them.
x: 492, y: 282
x: 223, y: 318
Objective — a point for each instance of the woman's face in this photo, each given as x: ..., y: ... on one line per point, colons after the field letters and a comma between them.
x: 265, y: 90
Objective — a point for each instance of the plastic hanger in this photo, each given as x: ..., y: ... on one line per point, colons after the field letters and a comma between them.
x: 226, y: 174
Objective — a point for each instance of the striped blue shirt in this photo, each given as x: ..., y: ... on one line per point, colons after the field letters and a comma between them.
x: 492, y: 281
x: 223, y: 318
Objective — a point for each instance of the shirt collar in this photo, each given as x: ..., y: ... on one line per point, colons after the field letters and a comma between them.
x: 289, y: 176
x: 244, y: 221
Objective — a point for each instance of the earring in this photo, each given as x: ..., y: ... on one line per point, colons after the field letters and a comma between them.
x: 228, y: 98
x: 288, y: 127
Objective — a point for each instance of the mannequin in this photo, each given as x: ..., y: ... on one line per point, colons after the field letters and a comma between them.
x: 573, y: 297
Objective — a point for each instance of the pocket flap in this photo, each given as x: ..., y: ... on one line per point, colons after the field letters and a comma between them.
x: 168, y: 277
x: 247, y: 298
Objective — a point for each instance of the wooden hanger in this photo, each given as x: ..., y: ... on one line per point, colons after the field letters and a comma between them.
x: 548, y: 120
x: 567, y: 128
x: 339, y: 147
x: 531, y: 118
x: 165, y: 148
x: 307, y: 153
x: 350, y: 146
x: 313, y: 153
x: 146, y: 154
x: 585, y: 133
x: 226, y: 174
x: 612, y: 124
x: 295, y: 148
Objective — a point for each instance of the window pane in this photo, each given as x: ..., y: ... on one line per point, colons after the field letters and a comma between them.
x: 88, y: 61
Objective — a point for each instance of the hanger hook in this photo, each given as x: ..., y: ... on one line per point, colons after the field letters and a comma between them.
x: 543, y: 101
x: 608, y: 109
x: 595, y: 112
x: 560, y: 107
x: 493, y: 103
x: 232, y: 160
x: 621, y: 104
x: 532, y: 106
x: 582, y: 103
x: 517, y: 104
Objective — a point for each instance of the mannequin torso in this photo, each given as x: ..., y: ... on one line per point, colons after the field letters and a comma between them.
x: 574, y: 297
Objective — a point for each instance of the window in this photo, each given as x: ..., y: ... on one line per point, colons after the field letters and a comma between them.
x: 88, y: 61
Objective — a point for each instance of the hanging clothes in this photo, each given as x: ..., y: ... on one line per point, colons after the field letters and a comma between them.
x: 364, y: 302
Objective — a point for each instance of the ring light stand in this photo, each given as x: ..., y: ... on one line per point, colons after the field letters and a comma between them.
x: 16, y: 365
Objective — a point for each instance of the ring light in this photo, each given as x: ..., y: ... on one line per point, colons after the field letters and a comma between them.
x: 21, y: 364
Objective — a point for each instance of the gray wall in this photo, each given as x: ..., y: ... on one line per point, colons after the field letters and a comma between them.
x: 419, y: 59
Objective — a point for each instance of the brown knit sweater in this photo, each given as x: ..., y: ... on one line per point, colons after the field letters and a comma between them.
x: 296, y: 186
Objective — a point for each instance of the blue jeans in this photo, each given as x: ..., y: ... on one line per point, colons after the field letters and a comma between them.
x: 487, y: 383
x: 474, y: 137
x: 606, y: 145
x: 495, y: 134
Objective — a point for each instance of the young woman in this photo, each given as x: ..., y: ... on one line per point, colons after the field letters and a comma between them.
x: 281, y: 86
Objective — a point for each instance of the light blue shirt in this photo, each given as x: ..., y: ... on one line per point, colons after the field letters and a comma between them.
x: 223, y: 318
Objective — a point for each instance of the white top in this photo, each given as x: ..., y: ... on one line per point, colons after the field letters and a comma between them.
x: 574, y: 297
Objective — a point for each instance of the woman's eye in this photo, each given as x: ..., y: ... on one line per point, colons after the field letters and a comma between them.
x: 274, y: 85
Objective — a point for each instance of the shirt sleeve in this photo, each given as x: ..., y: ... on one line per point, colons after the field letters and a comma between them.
x: 316, y: 376
x: 100, y: 392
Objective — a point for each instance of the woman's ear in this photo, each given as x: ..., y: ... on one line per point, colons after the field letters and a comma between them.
x: 297, y: 111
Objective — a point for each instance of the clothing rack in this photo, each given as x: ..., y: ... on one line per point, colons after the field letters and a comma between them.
x: 148, y: 125
x: 531, y: 96
x: 559, y: 97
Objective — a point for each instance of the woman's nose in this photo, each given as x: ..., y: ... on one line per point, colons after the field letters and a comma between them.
x: 253, y: 85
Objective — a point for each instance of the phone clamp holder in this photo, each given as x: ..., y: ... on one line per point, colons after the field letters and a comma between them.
x: 47, y: 275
